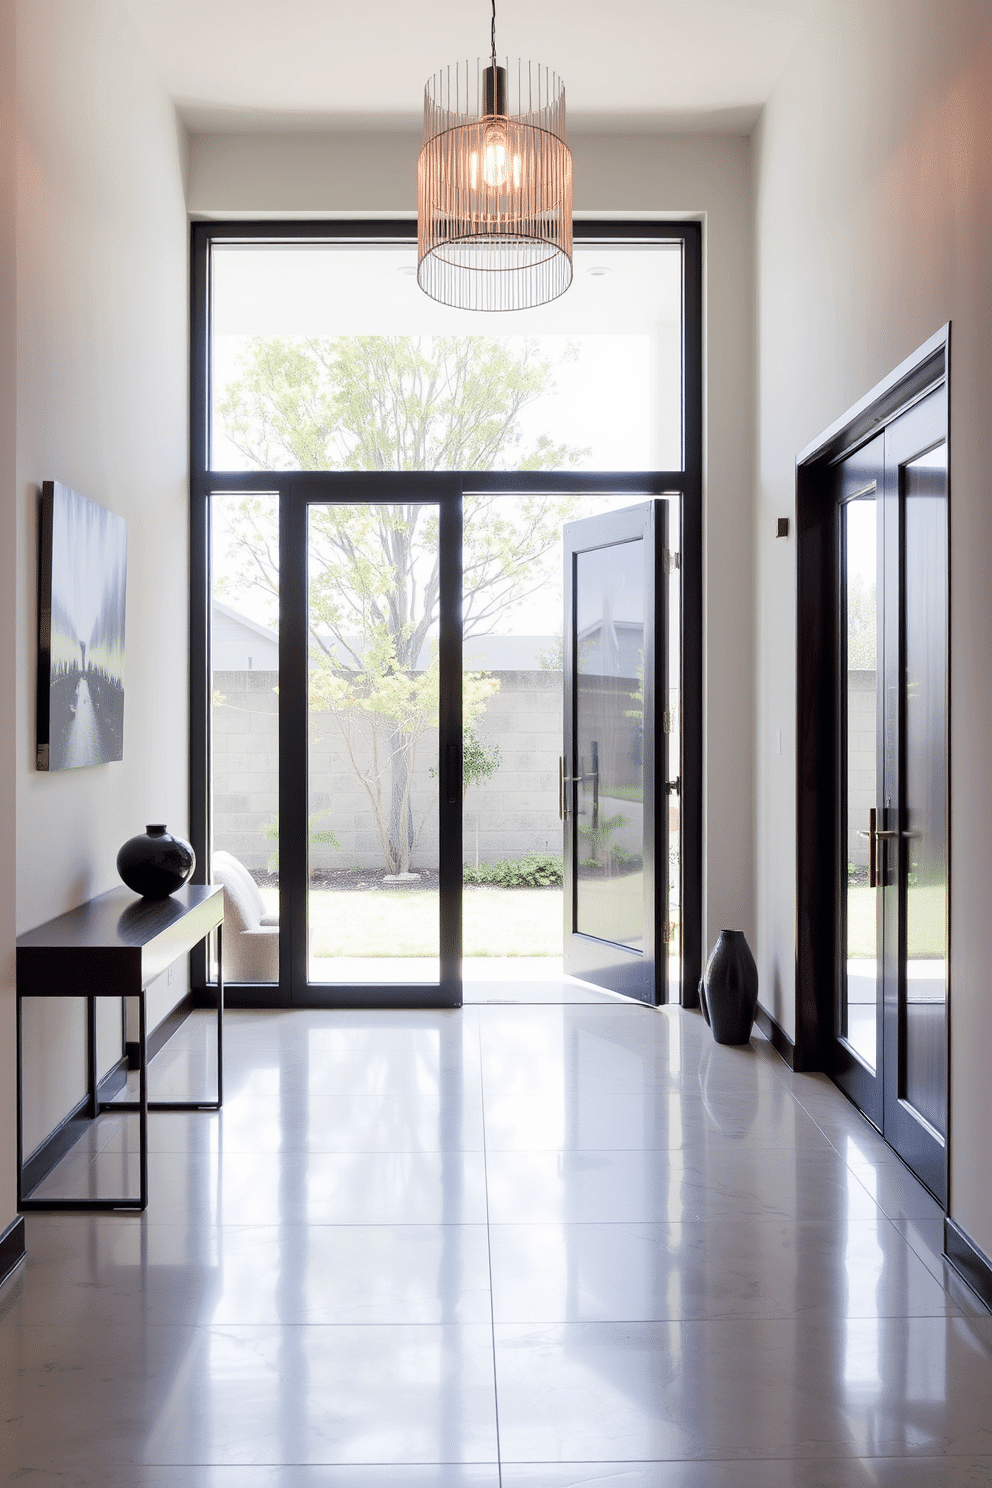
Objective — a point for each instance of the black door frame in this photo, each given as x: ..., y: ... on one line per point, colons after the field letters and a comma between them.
x: 302, y: 487
x: 817, y: 682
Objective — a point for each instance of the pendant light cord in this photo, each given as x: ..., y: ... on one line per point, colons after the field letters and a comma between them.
x: 494, y: 38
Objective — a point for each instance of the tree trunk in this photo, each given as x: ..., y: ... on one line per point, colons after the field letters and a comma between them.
x: 400, y: 805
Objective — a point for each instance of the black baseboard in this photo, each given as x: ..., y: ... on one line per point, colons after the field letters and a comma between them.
x: 246, y: 995
x: 12, y: 1248
x: 161, y: 1035
x: 970, y: 1262
x: 777, y: 1037
x: 69, y: 1130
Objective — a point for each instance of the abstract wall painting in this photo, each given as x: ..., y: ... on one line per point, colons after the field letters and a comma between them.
x: 80, y: 631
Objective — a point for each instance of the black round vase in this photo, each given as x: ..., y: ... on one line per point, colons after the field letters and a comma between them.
x: 155, y: 864
x: 728, y: 992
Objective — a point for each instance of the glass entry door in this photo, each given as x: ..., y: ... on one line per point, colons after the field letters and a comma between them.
x: 893, y: 983
x: 615, y: 662
x: 370, y: 710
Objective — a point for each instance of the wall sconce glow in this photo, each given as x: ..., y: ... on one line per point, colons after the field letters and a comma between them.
x: 494, y: 187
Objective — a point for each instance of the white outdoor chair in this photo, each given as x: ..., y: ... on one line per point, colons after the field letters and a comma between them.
x: 251, y: 936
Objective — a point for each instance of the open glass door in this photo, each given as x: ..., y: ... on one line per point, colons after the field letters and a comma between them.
x: 613, y: 782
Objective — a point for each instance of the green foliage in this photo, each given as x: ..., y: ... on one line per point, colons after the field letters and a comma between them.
x: 600, y: 851
x: 480, y: 761
x: 535, y: 870
x: 388, y: 403
x: 552, y: 658
x: 326, y: 837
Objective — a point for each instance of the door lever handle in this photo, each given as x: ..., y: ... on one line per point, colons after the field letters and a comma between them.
x: 875, y: 835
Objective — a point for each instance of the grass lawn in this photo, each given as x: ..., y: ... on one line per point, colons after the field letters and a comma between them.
x: 926, y: 928
x: 404, y: 922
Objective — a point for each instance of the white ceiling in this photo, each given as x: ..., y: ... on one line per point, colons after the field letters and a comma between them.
x: 323, y: 64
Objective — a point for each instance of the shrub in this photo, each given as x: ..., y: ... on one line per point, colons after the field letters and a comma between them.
x: 535, y: 870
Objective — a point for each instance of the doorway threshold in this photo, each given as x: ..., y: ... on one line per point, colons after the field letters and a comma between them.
x: 486, y: 979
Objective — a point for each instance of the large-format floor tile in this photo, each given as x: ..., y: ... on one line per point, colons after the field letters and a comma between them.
x: 197, y: 1395
x: 895, y: 1190
x: 748, y: 1269
x: 584, y: 1392
x: 683, y: 1265
x: 113, y: 1267
x: 291, y: 1188
x: 296, y: 1475
x: 637, y: 1118
x: 449, y: 1122
x: 673, y: 1186
x: 844, y: 1472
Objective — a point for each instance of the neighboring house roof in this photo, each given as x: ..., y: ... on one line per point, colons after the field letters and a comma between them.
x: 240, y: 644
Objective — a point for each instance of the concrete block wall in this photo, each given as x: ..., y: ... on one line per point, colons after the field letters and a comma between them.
x: 515, y: 812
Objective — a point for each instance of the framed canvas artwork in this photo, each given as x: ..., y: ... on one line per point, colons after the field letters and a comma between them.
x: 82, y: 590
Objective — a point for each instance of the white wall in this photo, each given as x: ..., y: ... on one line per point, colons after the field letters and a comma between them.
x: 873, y: 171
x: 101, y: 406
x: 640, y: 175
x: 8, y: 611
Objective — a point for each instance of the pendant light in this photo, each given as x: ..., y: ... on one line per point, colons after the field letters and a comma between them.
x: 494, y: 186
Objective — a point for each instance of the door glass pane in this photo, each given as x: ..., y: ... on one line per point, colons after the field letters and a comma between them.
x: 373, y: 750
x: 925, y: 782
x: 244, y: 653
x: 609, y: 752
x: 513, y: 707
x: 859, y: 1010
x: 328, y: 356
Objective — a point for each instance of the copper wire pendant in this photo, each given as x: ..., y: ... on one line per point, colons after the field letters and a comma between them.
x: 494, y: 187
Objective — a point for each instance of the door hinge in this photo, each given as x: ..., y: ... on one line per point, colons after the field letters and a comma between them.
x: 673, y: 560
x: 668, y: 722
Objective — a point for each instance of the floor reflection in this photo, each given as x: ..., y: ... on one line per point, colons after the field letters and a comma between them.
x: 487, y: 1241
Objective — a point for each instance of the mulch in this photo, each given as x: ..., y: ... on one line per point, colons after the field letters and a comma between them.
x: 352, y: 881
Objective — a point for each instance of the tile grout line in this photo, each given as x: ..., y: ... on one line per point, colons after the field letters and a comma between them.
x: 489, y: 1254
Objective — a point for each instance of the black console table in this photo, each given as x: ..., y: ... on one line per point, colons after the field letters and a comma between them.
x: 115, y: 946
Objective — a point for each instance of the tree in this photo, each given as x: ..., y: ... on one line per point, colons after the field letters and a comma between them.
x: 392, y: 403
x: 480, y: 761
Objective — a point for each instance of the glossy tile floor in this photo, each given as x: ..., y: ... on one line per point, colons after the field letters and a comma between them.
x: 543, y: 1244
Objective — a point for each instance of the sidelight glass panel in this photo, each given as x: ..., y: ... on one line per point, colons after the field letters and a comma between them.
x: 244, y: 652
x: 925, y: 783
x: 609, y: 763
x: 859, y: 1011
x: 328, y: 356
x: 373, y: 746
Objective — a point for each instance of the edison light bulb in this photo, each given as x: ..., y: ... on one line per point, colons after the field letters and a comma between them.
x: 495, y: 167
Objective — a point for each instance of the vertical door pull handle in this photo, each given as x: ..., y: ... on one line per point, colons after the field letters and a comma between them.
x: 872, y: 835
x: 454, y: 774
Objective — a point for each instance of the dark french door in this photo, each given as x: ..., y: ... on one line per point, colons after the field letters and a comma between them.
x: 890, y: 1049
x: 613, y: 761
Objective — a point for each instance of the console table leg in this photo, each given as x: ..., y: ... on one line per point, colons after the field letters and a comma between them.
x: 143, y: 1099
x: 20, y: 1109
x: 220, y: 1015
x: 92, y: 1108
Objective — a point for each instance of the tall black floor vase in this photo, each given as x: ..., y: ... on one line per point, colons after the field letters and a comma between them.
x: 728, y: 992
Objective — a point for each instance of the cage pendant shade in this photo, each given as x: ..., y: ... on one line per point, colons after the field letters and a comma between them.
x: 494, y: 188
